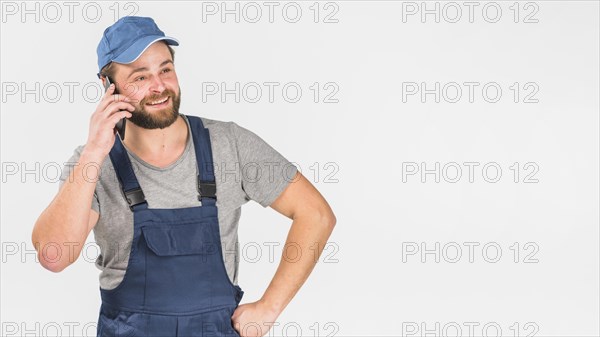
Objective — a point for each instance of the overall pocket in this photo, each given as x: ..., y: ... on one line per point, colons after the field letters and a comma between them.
x: 181, y: 261
x: 173, y: 240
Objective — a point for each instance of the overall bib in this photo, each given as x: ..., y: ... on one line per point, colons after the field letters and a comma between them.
x: 176, y: 283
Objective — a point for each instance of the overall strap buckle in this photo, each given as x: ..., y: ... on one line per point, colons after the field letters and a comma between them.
x: 134, y: 197
x: 207, y: 189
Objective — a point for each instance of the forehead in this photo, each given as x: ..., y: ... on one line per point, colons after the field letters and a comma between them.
x: 152, y: 57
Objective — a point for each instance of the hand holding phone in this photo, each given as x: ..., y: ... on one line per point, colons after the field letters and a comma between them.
x: 120, y: 126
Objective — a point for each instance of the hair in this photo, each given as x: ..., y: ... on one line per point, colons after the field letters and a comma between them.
x: 109, y: 70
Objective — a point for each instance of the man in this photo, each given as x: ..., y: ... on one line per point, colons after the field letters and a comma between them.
x: 161, y: 208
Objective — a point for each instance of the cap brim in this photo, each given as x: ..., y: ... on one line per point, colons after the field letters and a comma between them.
x: 135, y: 50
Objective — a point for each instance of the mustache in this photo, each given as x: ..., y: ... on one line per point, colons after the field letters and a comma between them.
x: 153, y: 98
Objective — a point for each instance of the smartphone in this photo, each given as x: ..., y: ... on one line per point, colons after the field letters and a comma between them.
x: 120, y: 126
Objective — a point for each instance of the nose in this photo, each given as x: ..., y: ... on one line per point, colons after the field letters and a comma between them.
x: 157, y: 85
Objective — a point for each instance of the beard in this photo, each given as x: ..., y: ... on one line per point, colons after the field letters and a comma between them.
x: 157, y: 118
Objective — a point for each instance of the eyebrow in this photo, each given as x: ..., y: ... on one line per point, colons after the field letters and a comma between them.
x: 145, y: 69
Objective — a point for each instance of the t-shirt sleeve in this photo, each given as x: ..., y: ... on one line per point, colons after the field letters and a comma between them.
x: 66, y: 172
x: 265, y: 172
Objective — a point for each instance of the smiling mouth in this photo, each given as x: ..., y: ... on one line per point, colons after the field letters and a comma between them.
x: 159, y: 103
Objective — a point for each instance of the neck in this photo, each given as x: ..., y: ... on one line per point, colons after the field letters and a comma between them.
x: 157, y: 144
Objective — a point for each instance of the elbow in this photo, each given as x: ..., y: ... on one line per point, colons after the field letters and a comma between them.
x: 327, y: 218
x: 324, y: 215
x: 51, y: 261
x: 53, y: 267
x: 48, y: 254
x: 330, y: 219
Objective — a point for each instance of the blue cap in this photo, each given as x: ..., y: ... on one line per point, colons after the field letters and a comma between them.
x: 127, y: 39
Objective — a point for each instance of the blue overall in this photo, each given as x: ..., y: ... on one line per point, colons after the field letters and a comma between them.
x: 176, y: 283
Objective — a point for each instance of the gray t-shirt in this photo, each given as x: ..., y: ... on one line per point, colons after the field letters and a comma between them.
x: 246, y: 168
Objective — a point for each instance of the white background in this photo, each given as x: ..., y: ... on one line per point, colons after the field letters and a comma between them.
x: 365, y: 284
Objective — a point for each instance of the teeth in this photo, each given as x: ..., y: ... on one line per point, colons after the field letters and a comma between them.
x: 158, y: 102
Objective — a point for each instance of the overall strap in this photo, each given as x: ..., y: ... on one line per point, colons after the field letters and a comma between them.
x: 129, y: 184
x: 207, y: 188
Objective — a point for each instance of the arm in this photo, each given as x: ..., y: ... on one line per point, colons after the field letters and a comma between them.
x: 313, y: 222
x: 61, y: 230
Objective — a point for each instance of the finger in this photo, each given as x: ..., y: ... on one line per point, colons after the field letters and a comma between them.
x: 115, y: 118
x: 117, y: 98
x: 116, y: 106
x: 107, y: 98
x: 123, y: 105
x: 109, y: 91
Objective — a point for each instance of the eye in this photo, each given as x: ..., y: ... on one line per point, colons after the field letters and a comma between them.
x: 166, y: 70
x: 140, y: 78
